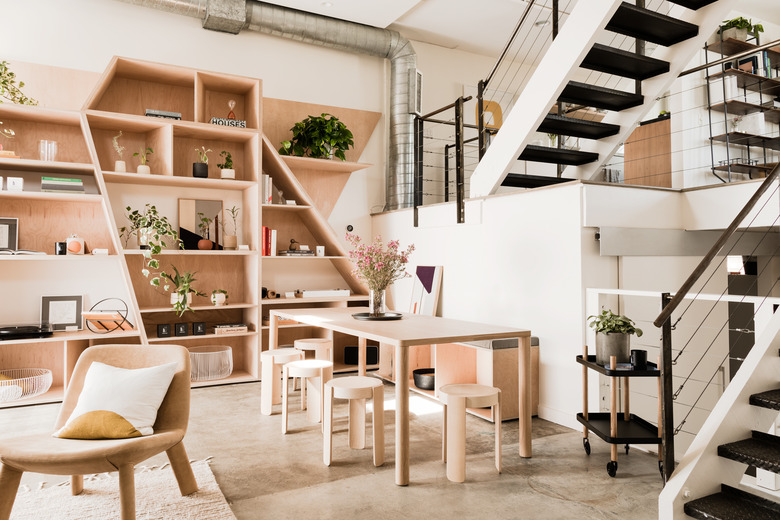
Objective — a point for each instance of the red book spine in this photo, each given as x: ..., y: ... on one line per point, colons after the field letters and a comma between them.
x: 266, y: 249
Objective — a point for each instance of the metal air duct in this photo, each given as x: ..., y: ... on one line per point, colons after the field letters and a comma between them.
x: 340, y: 35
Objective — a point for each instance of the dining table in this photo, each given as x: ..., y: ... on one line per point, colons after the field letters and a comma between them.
x: 400, y: 334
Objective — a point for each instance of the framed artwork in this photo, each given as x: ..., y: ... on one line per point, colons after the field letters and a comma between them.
x: 9, y: 233
x: 62, y: 312
x: 749, y: 64
x: 181, y: 329
x: 425, y: 291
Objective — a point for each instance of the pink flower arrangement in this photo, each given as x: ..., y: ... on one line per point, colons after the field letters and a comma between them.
x: 377, y: 266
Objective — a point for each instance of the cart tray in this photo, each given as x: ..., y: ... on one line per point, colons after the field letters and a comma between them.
x: 634, y: 431
x: 652, y: 369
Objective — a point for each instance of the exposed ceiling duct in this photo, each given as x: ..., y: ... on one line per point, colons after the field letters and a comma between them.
x: 234, y: 15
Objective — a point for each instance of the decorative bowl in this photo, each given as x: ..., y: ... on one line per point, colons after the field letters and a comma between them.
x: 424, y: 378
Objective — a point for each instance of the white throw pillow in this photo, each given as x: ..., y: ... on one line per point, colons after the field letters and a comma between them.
x: 117, y: 402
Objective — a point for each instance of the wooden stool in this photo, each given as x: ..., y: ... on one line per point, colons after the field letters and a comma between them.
x: 458, y: 397
x: 357, y: 389
x: 271, y: 388
x: 316, y: 372
x: 322, y: 347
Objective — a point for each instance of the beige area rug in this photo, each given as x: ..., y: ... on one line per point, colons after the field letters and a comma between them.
x: 156, y: 497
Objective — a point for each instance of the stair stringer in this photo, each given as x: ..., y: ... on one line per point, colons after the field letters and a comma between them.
x: 701, y: 471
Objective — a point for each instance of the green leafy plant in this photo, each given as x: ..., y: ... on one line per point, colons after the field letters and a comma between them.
x: 228, y: 164
x: 204, y: 224
x: 10, y: 89
x: 120, y: 150
x: 202, y: 157
x: 741, y: 23
x: 233, y: 212
x: 318, y: 137
x: 608, y: 322
x: 219, y: 291
x: 144, y: 154
x: 183, y: 286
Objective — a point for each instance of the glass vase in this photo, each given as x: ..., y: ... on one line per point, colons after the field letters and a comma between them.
x: 376, y: 303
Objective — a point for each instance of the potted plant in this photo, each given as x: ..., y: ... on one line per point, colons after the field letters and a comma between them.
x: 226, y: 170
x: 613, y: 332
x: 181, y: 297
x: 737, y: 29
x: 219, y: 297
x: 143, y: 155
x: 150, y: 228
x: 231, y: 240
x: 201, y: 168
x: 119, y: 164
x: 205, y: 227
x: 319, y: 137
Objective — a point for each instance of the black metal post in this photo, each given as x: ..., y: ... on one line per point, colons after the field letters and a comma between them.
x: 481, y: 119
x: 418, y: 167
x: 639, y: 49
x: 447, y: 172
x: 459, y: 162
x: 667, y: 401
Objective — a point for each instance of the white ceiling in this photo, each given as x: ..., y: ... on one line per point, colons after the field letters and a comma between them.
x: 478, y: 26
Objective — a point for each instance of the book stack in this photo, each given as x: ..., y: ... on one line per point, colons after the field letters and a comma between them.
x: 279, y: 321
x: 230, y: 328
x: 163, y: 113
x: 295, y: 252
x: 271, y: 195
x: 8, y: 154
x: 61, y: 185
x: 268, y: 241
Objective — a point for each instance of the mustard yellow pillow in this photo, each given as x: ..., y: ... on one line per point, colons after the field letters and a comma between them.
x: 5, y: 378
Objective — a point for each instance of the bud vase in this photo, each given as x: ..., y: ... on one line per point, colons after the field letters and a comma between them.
x: 376, y: 303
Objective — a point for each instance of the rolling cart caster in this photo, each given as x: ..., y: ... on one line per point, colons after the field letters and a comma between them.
x: 661, y: 469
x: 626, y: 449
x: 612, y: 468
x: 586, y: 445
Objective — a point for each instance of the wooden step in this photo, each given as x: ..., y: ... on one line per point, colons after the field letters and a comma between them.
x: 769, y: 399
x: 603, y: 58
x: 599, y: 97
x: 561, y: 125
x: 693, y: 4
x: 517, y: 180
x: 732, y: 504
x: 545, y: 154
x: 650, y: 26
x: 761, y: 451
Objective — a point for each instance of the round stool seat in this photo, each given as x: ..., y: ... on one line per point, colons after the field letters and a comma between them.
x: 315, y: 373
x: 307, y: 367
x: 477, y: 396
x: 280, y: 355
x: 322, y: 347
x: 354, y: 387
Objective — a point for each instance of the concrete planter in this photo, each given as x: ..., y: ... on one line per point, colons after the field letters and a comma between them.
x: 734, y: 33
x: 614, y: 344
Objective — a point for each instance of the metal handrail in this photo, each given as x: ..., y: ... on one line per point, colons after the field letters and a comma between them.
x: 707, y: 260
x: 510, y: 41
x: 730, y: 58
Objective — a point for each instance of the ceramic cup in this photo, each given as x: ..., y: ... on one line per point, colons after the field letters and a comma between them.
x: 639, y: 359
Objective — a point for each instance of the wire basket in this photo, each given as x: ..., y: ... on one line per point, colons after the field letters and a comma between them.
x: 23, y: 383
x: 210, y: 362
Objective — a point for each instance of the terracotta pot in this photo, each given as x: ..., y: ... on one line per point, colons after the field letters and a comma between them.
x: 230, y: 242
x: 205, y: 244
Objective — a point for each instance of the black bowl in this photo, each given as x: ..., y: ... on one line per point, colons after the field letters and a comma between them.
x: 424, y: 378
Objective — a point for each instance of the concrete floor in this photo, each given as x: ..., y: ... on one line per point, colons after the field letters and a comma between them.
x: 265, y: 474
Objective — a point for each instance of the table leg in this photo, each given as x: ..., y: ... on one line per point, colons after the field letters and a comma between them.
x: 273, y: 332
x: 402, y: 416
x: 361, y: 356
x: 524, y: 412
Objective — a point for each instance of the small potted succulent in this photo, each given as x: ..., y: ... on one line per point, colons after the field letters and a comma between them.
x: 201, y: 167
x: 204, y: 224
x: 613, y: 333
x: 143, y: 155
x: 226, y: 170
x: 321, y: 136
x: 231, y: 240
x: 119, y: 164
x: 181, y: 297
x: 219, y: 297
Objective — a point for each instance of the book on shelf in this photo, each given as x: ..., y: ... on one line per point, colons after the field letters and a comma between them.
x: 272, y: 243
x: 230, y: 328
x: 61, y: 185
x: 326, y: 293
x: 279, y: 321
x: 295, y: 252
x: 268, y: 237
x: 20, y: 252
x: 163, y: 113
x: 267, y: 189
x: 9, y: 154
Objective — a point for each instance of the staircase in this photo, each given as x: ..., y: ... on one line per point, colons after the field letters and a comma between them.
x: 678, y: 37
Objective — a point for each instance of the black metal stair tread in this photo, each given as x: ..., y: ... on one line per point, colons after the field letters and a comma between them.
x: 761, y: 451
x: 555, y: 124
x: 769, y: 399
x: 519, y: 180
x: 599, y: 97
x: 603, y: 58
x: 693, y: 4
x: 732, y: 504
x: 648, y: 25
x: 545, y: 154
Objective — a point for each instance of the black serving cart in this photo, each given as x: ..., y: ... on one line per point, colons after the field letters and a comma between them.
x: 630, y: 428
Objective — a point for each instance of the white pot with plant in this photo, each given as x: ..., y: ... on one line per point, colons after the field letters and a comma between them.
x: 231, y: 240
x: 735, y: 29
x: 219, y: 297
x: 201, y: 167
x: 204, y: 223
x: 143, y: 156
x: 613, y: 333
x: 226, y: 170
x: 181, y: 283
x: 151, y: 228
x: 119, y: 164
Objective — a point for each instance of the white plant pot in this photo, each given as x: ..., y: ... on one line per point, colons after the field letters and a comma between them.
x: 218, y: 299
x: 144, y: 169
x: 176, y: 298
x: 143, y: 235
x: 227, y: 173
x: 120, y: 166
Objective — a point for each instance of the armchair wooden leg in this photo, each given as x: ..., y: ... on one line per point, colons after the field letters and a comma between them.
x: 182, y: 469
x: 76, y: 484
x: 127, y: 491
x: 9, y: 484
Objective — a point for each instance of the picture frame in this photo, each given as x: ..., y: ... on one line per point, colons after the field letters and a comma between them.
x: 749, y: 64
x: 9, y: 233
x: 181, y: 329
x: 62, y: 312
x: 163, y: 330
x: 199, y: 328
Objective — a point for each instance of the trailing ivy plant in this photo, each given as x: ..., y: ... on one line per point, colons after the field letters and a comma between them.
x: 183, y: 286
x: 10, y: 89
x: 318, y: 137
x: 608, y: 322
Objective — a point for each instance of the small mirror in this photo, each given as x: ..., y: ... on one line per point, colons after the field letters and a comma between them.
x: 199, y: 222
